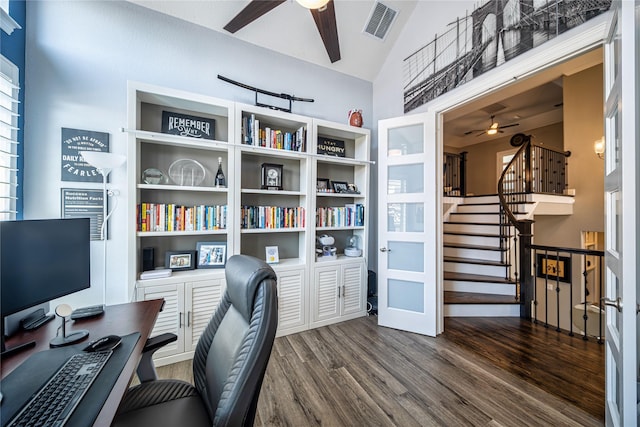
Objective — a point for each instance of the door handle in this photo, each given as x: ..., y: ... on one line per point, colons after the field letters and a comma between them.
x: 383, y: 249
x: 617, y: 303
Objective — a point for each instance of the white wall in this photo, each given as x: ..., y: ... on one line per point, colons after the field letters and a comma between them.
x: 79, y: 57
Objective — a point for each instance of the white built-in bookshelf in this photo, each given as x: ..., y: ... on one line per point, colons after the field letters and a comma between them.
x: 272, y: 167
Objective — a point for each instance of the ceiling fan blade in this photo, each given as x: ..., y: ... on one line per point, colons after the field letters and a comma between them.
x: 326, y: 22
x: 250, y: 13
x: 508, y: 126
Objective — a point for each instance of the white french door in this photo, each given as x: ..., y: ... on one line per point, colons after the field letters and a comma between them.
x: 408, y: 284
x: 621, y: 213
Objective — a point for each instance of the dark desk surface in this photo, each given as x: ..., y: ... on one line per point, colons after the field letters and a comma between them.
x: 119, y: 319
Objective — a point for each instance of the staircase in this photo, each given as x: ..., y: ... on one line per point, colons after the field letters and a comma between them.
x: 477, y: 278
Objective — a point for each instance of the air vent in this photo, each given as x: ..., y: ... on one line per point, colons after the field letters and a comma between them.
x: 380, y: 20
x: 494, y: 108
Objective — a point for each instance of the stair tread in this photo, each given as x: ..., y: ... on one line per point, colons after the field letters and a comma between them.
x: 476, y: 247
x: 474, y: 223
x: 452, y: 297
x: 467, y: 277
x: 461, y: 233
x: 475, y: 261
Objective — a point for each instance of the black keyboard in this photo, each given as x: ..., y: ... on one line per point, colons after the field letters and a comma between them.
x: 54, y: 403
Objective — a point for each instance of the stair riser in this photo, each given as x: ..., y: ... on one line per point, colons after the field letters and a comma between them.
x: 482, y: 310
x: 472, y: 240
x: 482, y: 199
x: 483, y: 218
x: 472, y: 228
x: 480, y: 287
x: 473, y: 254
x: 484, y: 270
x: 478, y: 208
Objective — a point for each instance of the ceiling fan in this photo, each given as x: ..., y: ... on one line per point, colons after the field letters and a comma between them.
x: 323, y: 13
x: 493, y: 129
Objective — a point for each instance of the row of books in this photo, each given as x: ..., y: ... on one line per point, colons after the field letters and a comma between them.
x: 351, y: 215
x: 272, y: 217
x: 172, y: 217
x: 252, y: 134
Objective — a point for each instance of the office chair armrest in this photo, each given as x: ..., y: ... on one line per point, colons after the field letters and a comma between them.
x: 146, y: 370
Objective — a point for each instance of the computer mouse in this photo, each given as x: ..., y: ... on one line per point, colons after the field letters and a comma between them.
x: 103, y: 344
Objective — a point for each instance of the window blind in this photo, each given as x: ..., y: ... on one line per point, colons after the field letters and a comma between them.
x: 9, y: 89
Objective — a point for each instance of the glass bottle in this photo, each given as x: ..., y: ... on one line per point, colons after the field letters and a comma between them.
x: 221, y: 181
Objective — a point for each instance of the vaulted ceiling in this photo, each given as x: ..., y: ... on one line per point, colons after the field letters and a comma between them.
x: 290, y: 29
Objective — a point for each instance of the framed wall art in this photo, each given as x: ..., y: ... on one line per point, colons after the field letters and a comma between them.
x: 552, y: 267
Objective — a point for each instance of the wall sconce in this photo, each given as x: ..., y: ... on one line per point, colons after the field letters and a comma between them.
x: 598, y: 147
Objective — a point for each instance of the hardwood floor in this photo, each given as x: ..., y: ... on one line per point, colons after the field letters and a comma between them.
x: 481, y: 371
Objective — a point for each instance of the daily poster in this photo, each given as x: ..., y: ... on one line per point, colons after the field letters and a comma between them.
x: 74, y: 168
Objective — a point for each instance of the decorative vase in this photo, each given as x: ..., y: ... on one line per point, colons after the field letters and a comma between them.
x: 355, y: 117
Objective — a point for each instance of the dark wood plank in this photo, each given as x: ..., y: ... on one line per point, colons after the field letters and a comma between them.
x: 481, y: 371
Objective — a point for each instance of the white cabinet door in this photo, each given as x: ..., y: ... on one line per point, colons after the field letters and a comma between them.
x: 352, y: 295
x: 326, y: 297
x: 171, y: 318
x: 201, y: 300
x: 291, y: 301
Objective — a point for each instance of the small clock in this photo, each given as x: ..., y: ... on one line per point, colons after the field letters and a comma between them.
x: 271, y: 176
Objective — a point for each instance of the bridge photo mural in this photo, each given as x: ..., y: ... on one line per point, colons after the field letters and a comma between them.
x: 495, y: 32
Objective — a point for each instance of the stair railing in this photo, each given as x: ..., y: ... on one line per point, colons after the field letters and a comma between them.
x: 560, y: 274
x: 513, y: 186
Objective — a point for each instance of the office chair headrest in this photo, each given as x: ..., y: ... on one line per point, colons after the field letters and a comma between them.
x: 244, y: 273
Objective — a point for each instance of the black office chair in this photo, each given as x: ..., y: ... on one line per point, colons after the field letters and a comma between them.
x: 229, y: 362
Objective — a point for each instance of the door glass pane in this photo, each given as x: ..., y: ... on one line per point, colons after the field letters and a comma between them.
x: 405, y: 217
x: 406, y: 179
x: 612, y: 149
x: 406, y: 256
x: 613, y: 237
x: 406, y: 295
x: 406, y: 140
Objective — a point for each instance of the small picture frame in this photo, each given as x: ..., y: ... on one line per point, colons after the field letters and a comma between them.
x: 180, y: 260
x: 340, y: 186
x: 272, y: 256
x: 211, y: 254
x: 322, y: 185
x: 271, y: 176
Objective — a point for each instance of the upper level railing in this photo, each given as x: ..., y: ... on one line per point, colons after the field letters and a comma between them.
x: 455, y: 179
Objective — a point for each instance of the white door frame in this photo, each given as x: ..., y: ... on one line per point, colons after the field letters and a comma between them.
x: 573, y: 43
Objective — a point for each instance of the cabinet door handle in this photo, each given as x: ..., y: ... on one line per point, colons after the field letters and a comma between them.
x: 188, y: 319
x: 180, y: 320
x: 338, y: 291
x: 383, y: 249
x: 344, y: 291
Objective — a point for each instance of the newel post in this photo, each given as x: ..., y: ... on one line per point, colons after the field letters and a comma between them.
x: 526, y: 275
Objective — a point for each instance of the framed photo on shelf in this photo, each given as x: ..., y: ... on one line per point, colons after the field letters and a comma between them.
x: 271, y: 253
x: 322, y: 185
x: 553, y: 267
x: 271, y: 176
x: 211, y: 254
x: 340, y: 186
x: 180, y: 260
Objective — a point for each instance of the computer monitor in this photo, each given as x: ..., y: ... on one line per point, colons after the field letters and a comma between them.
x: 41, y: 260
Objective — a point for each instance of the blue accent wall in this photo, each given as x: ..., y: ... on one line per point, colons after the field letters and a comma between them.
x: 12, y: 47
